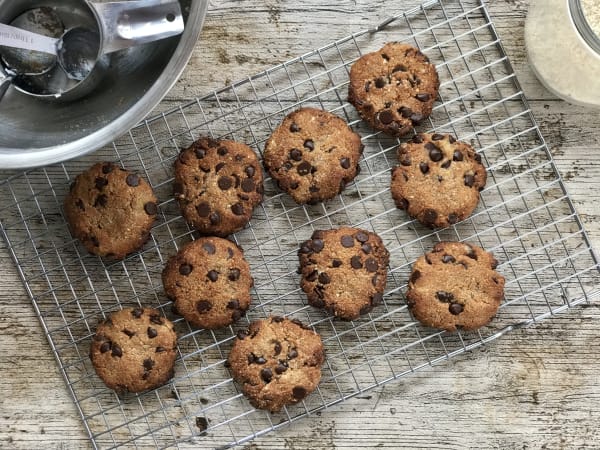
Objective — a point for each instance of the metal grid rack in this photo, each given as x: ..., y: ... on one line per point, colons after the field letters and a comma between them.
x: 525, y: 217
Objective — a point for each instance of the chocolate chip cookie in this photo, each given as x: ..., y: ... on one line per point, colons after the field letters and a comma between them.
x: 394, y: 88
x: 455, y: 286
x: 438, y: 179
x: 218, y: 184
x: 344, y: 271
x: 134, y: 350
x: 209, y: 282
x: 110, y: 210
x: 313, y: 155
x: 277, y: 361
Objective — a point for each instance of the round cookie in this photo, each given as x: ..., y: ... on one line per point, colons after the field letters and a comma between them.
x: 217, y: 185
x: 313, y: 155
x: 394, y: 88
x: 455, y: 286
x: 344, y: 271
x: 134, y: 350
x: 209, y: 282
x: 438, y: 179
x: 277, y: 361
x: 110, y: 210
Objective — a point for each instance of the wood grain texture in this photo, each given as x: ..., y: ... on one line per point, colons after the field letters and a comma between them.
x: 534, y: 388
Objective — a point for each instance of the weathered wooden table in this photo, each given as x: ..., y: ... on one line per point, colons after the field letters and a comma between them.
x: 534, y: 388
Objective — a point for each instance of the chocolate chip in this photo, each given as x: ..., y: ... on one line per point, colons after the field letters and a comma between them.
x: 362, y: 237
x: 380, y: 82
x: 423, y: 97
x: 107, y: 168
x: 266, y: 374
x: 132, y: 180
x: 203, y: 209
x: 430, y: 217
x: 444, y: 296
x: 277, y: 319
x: 385, y: 117
x: 137, y: 313
x: 312, y: 276
x: 203, y: 306
x: 294, y: 128
x: 213, y: 275
x: 148, y: 364
x: 95, y: 241
x: 292, y: 353
x: 424, y: 167
x: 116, y: 351
x: 233, y: 304
x: 415, y: 276
x: 309, y: 144
x: 101, y: 182
x: 355, y: 262
x: 371, y: 265
x: 402, y: 203
x: 160, y: 349
x: 405, y: 159
x: 477, y: 157
x: 200, y: 153
x: 101, y: 201
x: 448, y: 259
x: 434, y: 153
x: 250, y: 171
x: 219, y: 166
x: 455, y: 308
x: 347, y: 241
x: 280, y: 369
x: 294, y: 185
x: 317, y: 245
x: 129, y: 332
x: 215, y: 218
x: 469, y: 180
x: 336, y: 263
x: 209, y: 248
x: 152, y: 333
x: 260, y: 360
x: 366, y: 248
x: 366, y: 309
x: 238, y: 209
x: 471, y: 254
x: 299, y: 392
x: 242, y: 334
x: 324, y: 278
x: 304, y: 168
x: 106, y: 346
x: 222, y: 151
x: 345, y: 163
x: 437, y: 137
x: 317, y: 302
x: 446, y: 164
x: 155, y: 318
x: 452, y: 218
x: 277, y: 348
x: 224, y: 183
x: 248, y: 185
x: 405, y: 112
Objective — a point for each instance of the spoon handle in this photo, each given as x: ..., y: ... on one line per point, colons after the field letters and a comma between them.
x: 16, y: 37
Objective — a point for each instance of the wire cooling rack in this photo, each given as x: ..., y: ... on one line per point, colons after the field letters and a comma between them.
x: 525, y: 217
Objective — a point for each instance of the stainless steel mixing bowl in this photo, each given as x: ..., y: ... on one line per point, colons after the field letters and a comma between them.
x: 34, y: 132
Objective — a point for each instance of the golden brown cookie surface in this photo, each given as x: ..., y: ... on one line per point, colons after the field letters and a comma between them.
x: 277, y: 361
x: 455, y: 286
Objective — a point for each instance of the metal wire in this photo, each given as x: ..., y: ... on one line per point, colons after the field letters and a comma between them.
x: 525, y: 217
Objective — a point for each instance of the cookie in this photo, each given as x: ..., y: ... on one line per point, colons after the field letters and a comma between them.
x: 209, y: 282
x: 134, y: 350
x: 438, y: 179
x: 217, y: 185
x: 110, y: 210
x: 455, y: 286
x: 344, y: 271
x: 394, y: 88
x: 277, y: 361
x: 313, y: 155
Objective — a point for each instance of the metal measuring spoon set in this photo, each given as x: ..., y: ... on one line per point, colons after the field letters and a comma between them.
x: 42, y: 58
